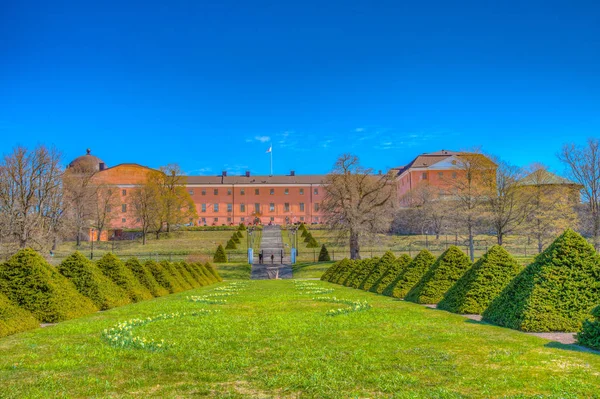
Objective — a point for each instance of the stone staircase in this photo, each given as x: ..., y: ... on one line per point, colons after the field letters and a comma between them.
x: 278, y: 267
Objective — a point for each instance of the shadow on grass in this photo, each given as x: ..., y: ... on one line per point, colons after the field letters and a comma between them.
x: 571, y: 347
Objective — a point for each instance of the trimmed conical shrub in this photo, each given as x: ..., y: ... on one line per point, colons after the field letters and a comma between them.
x: 442, y: 275
x: 242, y: 227
x: 145, y: 277
x: 324, y: 254
x: 360, y: 272
x: 239, y: 234
x: 162, y: 276
x: 345, y: 272
x: 90, y: 282
x: 178, y: 282
x: 187, y: 277
x: 414, y: 272
x: 194, y: 273
x: 235, y: 238
x: 31, y: 283
x: 14, y: 319
x: 557, y: 292
x: 114, y: 269
x: 205, y: 277
x: 312, y: 243
x: 398, y: 267
x: 230, y: 245
x: 334, y: 269
x: 212, y: 271
x: 377, y: 270
x: 482, y: 283
x: 590, y: 332
x: 220, y: 255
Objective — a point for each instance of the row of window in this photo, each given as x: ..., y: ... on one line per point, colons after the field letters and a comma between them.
x: 286, y: 207
x: 256, y: 191
x: 440, y: 175
x: 243, y: 219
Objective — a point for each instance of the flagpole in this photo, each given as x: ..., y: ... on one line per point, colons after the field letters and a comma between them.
x: 271, y: 154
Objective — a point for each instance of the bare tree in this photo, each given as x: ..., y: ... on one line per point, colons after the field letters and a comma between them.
x: 105, y: 203
x: 357, y: 204
x: 469, y: 189
x: 31, y: 196
x: 80, y: 197
x: 147, y: 208
x: 583, y: 166
x: 177, y: 206
x: 508, y: 205
x: 551, y: 211
x: 429, y: 208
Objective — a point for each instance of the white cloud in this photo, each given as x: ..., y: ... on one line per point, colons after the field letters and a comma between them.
x: 262, y: 139
x: 359, y: 129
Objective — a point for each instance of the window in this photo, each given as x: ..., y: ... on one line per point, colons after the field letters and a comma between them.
x: 286, y: 207
x: 242, y: 207
x: 203, y: 192
x: 316, y: 218
x: 124, y: 208
x: 316, y: 191
x: 286, y: 191
x: 242, y: 219
x: 424, y: 176
x: 228, y: 220
x: 302, y: 207
x: 302, y: 218
x: 203, y: 220
x: 229, y: 207
x: 216, y: 219
x: 301, y: 191
x: 108, y: 209
x: 257, y: 208
x: 316, y: 207
x: 440, y: 174
x: 216, y: 191
x: 454, y: 175
x: 272, y: 207
x: 272, y: 191
x: 124, y: 192
x: 123, y: 220
x: 242, y: 192
x: 272, y: 219
x: 229, y: 192
x: 203, y: 208
x: 191, y: 192
x: 216, y: 207
x: 256, y: 191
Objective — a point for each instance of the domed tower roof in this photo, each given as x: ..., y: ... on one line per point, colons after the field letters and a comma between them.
x: 87, y: 162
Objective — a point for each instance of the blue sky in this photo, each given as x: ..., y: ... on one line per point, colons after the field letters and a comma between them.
x: 210, y: 85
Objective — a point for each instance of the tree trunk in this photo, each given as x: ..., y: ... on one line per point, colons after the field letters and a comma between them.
x: 143, y: 238
x: 354, y: 246
x: 99, y: 233
x: 471, y: 244
x: 78, y: 237
x: 500, y: 236
x: 540, y: 244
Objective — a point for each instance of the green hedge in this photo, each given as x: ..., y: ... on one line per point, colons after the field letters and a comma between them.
x: 332, y: 270
x: 194, y: 273
x: 145, y: 277
x: 242, y: 227
x: 162, y: 276
x: 345, y: 272
x: 324, y: 254
x: 90, y: 282
x: 414, y: 272
x: 212, y: 271
x: 31, y: 283
x: 358, y: 274
x: 557, y: 292
x: 220, y: 255
x: 482, y: 283
x: 379, y: 268
x: 204, y: 274
x: 178, y: 281
x: 14, y: 319
x: 187, y: 277
x: 391, y: 274
x: 440, y: 277
x: 114, y: 269
x: 590, y: 332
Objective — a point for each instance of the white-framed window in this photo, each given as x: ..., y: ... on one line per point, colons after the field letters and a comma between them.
x: 216, y: 207
x: 272, y: 207
x: 203, y: 208
x: 302, y: 207
x: 242, y: 207
x: 316, y: 191
x: 272, y: 191
x: 229, y: 207
x: 286, y: 191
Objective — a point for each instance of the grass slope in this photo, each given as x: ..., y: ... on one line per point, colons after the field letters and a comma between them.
x: 557, y: 292
x: 482, y: 283
x: 442, y: 275
x: 271, y: 340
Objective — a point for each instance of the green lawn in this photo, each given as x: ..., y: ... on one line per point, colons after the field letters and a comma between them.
x: 271, y: 339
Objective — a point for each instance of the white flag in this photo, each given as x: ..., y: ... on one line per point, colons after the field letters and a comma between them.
x: 270, y: 149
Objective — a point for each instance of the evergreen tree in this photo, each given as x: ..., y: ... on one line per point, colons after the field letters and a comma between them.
x: 393, y: 272
x: 324, y: 254
x: 377, y: 270
x: 415, y: 270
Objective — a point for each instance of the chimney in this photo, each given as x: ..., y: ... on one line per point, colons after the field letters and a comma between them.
x: 247, y: 173
x: 292, y: 173
x: 101, y: 166
x: 224, y: 174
